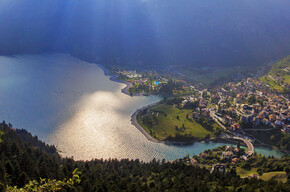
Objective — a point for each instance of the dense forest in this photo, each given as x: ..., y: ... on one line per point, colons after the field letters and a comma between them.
x: 24, y: 158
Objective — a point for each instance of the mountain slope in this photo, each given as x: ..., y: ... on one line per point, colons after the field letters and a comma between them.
x: 278, y: 77
x: 24, y: 158
x: 282, y: 69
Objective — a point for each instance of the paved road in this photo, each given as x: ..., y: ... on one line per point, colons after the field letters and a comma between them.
x: 249, y: 144
x: 242, y: 114
x: 217, y: 121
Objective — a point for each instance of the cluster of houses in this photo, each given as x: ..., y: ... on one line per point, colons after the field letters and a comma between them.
x: 229, y: 154
x: 220, y: 167
x: 248, y: 101
x: 142, y: 81
x: 130, y: 74
x: 275, y: 114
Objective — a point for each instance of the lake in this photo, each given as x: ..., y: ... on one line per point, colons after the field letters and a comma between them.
x: 71, y: 104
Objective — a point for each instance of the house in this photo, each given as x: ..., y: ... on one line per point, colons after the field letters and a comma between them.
x: 272, y: 117
x: 204, y: 155
x: 244, y: 157
x: 235, y: 160
x: 229, y: 148
x: 232, y: 110
x: 229, y: 120
x: 202, y: 102
x: 205, y: 113
x: 193, y: 162
x: 236, y: 150
x: 263, y: 114
x: 266, y: 121
x: 227, y: 155
x: 253, y: 176
x: 218, y: 167
x: 236, y: 127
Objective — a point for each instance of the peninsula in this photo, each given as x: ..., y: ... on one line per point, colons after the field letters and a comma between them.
x: 249, y: 110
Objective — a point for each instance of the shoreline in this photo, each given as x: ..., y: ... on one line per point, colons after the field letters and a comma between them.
x: 125, y: 90
x: 134, y: 122
x: 166, y: 142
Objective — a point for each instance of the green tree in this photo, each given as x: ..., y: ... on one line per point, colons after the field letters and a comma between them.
x: 50, y: 184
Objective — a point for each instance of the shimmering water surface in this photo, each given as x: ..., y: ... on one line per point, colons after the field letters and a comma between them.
x: 73, y: 105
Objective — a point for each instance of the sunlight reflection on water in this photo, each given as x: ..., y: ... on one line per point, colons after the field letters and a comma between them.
x: 73, y: 105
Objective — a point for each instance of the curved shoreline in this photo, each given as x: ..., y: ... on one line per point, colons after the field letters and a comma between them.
x: 134, y: 122
x: 149, y: 137
x: 125, y: 90
x: 138, y: 126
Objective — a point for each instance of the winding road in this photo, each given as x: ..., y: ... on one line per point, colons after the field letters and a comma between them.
x: 249, y: 144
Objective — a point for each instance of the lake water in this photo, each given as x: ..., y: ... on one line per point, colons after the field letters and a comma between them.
x: 73, y: 105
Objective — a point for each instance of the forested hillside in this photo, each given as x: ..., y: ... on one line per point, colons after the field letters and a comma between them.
x: 24, y: 158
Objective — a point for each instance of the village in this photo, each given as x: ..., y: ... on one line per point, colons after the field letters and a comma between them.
x: 224, y: 159
x: 247, y: 104
x: 244, y: 109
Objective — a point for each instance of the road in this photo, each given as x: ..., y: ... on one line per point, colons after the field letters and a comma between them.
x: 217, y: 121
x: 249, y: 144
x: 242, y: 114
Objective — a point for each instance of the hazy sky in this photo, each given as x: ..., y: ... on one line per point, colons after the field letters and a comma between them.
x: 183, y: 32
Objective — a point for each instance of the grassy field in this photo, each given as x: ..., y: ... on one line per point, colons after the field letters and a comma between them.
x: 278, y: 176
x: 287, y: 79
x: 246, y: 173
x: 279, y: 69
x: 211, y: 106
x: 165, y: 120
x: 273, y: 84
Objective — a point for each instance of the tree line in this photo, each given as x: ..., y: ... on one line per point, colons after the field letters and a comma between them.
x: 23, y: 158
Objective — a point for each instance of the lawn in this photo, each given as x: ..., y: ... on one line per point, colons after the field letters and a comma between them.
x: 286, y: 79
x: 165, y: 120
x: 246, y: 173
x: 273, y: 84
x: 278, y: 176
x: 211, y: 106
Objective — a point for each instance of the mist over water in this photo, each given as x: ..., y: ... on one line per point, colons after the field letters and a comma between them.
x: 73, y: 105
